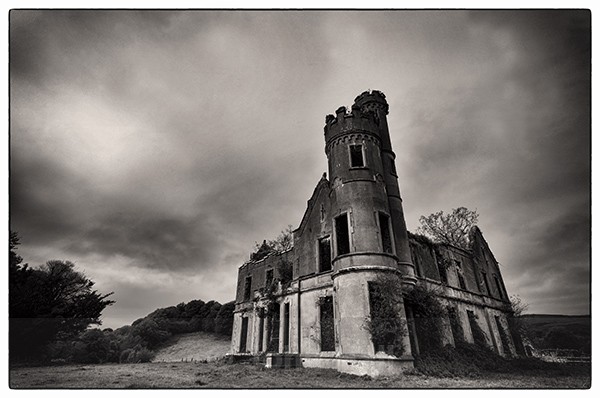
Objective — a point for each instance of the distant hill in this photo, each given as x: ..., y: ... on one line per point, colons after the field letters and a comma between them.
x: 559, y: 331
x: 193, y: 346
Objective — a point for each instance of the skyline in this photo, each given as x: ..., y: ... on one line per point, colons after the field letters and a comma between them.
x: 154, y: 148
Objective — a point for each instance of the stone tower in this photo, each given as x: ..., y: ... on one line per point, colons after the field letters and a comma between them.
x: 369, y: 231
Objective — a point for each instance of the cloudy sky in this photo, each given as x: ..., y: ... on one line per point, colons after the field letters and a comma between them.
x: 154, y: 148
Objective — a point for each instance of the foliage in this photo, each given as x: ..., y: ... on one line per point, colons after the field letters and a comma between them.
x: 450, y: 228
x: 286, y: 272
x: 559, y: 332
x: 224, y: 319
x: 283, y: 242
x: 385, y: 324
x: 427, y: 312
x: 472, y: 360
x: 49, y: 303
x: 516, y: 326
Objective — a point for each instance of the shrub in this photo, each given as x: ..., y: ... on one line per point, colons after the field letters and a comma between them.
x: 427, y: 313
x: 386, y: 326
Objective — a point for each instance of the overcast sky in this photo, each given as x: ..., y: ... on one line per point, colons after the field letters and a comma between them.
x: 154, y: 148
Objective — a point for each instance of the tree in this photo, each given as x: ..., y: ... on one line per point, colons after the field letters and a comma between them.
x: 49, y: 303
x: 284, y: 241
x: 450, y: 228
x: 224, y: 319
x: 516, y: 325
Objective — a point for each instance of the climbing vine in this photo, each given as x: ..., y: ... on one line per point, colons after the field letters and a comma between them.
x: 385, y: 324
x: 428, y: 313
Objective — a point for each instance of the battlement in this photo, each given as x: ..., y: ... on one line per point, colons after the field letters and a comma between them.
x: 357, y: 120
x: 372, y: 99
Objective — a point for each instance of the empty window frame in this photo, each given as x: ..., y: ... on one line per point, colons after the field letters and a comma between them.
x: 327, y: 328
x: 455, y: 325
x: 485, y: 281
x: 499, y: 287
x: 415, y: 261
x: 478, y: 334
x: 273, y: 329
x: 269, y: 278
x: 248, y: 288
x: 503, y: 336
x: 244, y: 335
x: 324, y: 254
x: 386, y: 233
x: 356, y: 156
x: 342, y: 237
x: 442, y: 271
x: 286, y: 327
x: 261, y: 333
x: 461, y: 280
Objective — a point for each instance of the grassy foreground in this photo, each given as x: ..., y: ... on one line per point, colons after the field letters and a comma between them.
x: 222, y: 375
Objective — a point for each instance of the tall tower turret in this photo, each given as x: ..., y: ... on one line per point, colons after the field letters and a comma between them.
x: 369, y: 232
x: 374, y: 101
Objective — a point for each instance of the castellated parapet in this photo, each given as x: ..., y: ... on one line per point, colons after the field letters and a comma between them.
x: 308, y: 305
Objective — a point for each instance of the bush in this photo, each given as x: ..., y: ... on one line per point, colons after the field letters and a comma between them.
x: 469, y: 360
x: 427, y: 313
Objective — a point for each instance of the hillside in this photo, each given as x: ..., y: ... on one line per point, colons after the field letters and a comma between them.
x: 559, y: 331
x: 197, y: 346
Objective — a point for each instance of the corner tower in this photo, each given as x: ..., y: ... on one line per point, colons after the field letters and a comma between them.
x: 369, y: 235
x: 360, y: 157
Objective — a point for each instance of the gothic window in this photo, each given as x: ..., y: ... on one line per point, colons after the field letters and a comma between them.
x: 322, y: 212
x: 248, y: 288
x: 325, y: 254
x: 342, y: 238
x: 386, y: 236
x: 327, y: 328
x: 356, y: 156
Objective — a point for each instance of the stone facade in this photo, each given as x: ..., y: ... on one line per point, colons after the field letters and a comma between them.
x: 313, y: 300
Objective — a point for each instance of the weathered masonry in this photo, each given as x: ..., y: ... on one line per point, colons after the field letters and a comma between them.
x: 313, y: 300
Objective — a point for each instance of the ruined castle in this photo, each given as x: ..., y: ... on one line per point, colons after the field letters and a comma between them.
x: 310, y: 305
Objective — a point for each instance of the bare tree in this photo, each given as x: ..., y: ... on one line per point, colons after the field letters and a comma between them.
x: 452, y: 228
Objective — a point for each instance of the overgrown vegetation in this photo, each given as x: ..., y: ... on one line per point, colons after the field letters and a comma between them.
x: 471, y: 360
x: 427, y: 312
x: 385, y: 324
x: 281, y: 243
x: 137, y: 343
x: 52, y: 306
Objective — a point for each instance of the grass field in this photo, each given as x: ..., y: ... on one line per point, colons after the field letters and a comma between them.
x: 222, y: 375
x: 194, y: 346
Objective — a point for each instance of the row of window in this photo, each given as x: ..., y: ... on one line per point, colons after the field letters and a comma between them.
x: 327, y: 326
x: 442, y: 271
x: 324, y: 255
